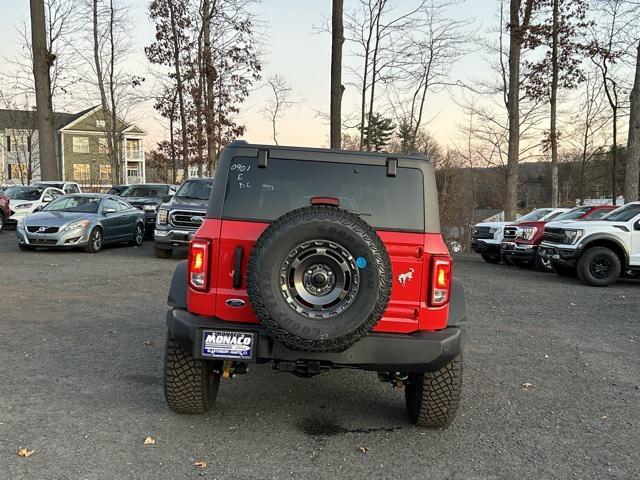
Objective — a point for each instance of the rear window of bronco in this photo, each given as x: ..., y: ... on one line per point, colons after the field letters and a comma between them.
x: 264, y: 194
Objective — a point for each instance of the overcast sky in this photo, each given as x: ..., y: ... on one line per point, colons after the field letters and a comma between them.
x: 293, y: 51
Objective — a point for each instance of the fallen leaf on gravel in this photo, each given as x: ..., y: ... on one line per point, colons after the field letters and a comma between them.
x: 200, y: 464
x: 149, y: 441
x: 148, y: 343
x: 363, y: 449
x: 527, y: 385
x: 24, y: 452
x: 604, y: 417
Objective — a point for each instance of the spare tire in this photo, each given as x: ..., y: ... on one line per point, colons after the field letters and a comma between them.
x: 319, y: 278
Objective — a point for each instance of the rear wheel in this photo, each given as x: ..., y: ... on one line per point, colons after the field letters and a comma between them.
x: 432, y: 398
x: 163, y: 252
x: 563, y: 270
x: 138, y: 235
x: 599, y: 267
x: 190, y: 385
x: 491, y: 258
x: 95, y: 241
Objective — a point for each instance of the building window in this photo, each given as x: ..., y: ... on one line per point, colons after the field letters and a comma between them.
x: 81, y: 172
x: 101, y: 123
x: 133, y: 149
x: 103, y: 147
x: 105, y: 173
x: 8, y: 143
x: 29, y: 143
x: 133, y: 172
x: 80, y: 144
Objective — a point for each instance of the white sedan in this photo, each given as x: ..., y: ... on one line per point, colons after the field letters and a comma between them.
x: 24, y: 199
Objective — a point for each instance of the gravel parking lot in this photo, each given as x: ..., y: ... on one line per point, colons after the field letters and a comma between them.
x: 552, y: 385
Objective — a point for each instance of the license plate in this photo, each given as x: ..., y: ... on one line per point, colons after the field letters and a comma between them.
x: 226, y: 344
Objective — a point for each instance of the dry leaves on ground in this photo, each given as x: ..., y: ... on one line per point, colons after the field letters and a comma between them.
x: 149, y: 441
x: 25, y: 452
x: 200, y: 464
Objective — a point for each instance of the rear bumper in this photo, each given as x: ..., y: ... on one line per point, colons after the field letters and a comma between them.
x: 485, y: 247
x: 380, y: 352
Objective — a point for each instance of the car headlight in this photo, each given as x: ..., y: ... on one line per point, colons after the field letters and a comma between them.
x: 527, y: 233
x: 572, y: 236
x: 163, y: 216
x: 75, y: 225
x: 24, y: 205
x: 150, y: 208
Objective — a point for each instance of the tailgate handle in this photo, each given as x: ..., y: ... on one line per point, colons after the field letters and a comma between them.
x: 237, y: 267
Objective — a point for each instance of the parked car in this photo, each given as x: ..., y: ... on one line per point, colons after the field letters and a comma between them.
x: 5, y: 210
x: 117, y: 189
x: 486, y: 237
x: 66, y: 187
x: 87, y: 220
x: 522, y: 239
x: 23, y: 200
x: 148, y: 197
x: 599, y: 251
x: 303, y: 261
x: 179, y: 219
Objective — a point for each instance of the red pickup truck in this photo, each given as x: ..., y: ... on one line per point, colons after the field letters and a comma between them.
x: 521, y: 240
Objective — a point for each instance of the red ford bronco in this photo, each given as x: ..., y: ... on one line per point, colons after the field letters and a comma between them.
x: 312, y: 260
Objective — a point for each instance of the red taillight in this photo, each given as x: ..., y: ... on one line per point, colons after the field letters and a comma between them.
x: 199, y: 264
x: 440, y: 281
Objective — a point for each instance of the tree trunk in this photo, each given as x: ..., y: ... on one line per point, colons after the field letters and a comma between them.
x: 337, y: 89
x: 42, y: 62
x: 179, y: 87
x: 632, y: 169
x: 374, y: 73
x: 210, y: 78
x: 118, y: 171
x: 515, y: 48
x: 553, y: 103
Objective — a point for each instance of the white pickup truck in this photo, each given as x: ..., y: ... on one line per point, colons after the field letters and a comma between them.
x: 598, y: 252
x: 486, y: 237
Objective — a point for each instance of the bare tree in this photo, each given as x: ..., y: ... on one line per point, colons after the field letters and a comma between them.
x: 337, y: 89
x: 42, y: 61
x: 632, y: 169
x: 279, y: 103
x: 519, y: 19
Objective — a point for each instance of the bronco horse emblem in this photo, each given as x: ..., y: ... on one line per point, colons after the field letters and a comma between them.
x: 403, y: 278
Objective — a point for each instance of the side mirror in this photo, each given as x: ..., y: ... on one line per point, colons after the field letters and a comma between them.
x: 108, y: 211
x: 167, y: 198
x: 637, y: 225
x: 47, y: 198
x: 37, y: 209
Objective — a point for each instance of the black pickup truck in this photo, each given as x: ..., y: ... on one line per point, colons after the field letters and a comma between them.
x: 179, y: 219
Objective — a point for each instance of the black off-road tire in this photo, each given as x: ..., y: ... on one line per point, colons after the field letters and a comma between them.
x: 26, y: 248
x: 490, y: 258
x: 586, y: 265
x: 432, y: 398
x: 300, y: 331
x: 563, y: 270
x: 190, y: 385
x: 163, y: 252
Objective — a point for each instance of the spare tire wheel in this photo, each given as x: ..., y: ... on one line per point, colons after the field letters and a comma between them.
x: 319, y: 278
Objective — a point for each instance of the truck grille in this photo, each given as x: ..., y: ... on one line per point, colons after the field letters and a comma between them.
x: 33, y: 229
x: 510, y: 233
x: 186, y: 219
x: 553, y: 235
x: 482, y: 233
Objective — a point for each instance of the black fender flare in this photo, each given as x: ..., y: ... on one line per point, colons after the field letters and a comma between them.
x: 178, y: 289
x: 457, y: 304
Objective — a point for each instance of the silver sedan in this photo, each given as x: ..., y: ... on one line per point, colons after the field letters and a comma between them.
x: 84, y: 220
